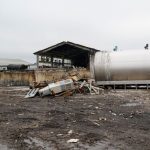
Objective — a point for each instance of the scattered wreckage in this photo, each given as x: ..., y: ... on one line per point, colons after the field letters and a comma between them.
x: 66, y: 87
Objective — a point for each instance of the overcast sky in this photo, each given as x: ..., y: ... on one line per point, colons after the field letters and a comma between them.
x: 27, y: 26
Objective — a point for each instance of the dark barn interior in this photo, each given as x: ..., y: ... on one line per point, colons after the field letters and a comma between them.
x: 77, y: 55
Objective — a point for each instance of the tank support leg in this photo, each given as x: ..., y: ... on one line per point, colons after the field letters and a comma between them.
x: 125, y: 87
x: 114, y: 87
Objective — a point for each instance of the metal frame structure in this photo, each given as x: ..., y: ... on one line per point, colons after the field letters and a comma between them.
x: 79, y: 55
x: 134, y: 84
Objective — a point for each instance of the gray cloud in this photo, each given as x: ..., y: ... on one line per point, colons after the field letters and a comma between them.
x: 30, y: 25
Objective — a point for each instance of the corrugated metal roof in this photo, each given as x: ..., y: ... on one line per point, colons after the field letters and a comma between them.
x: 6, y: 61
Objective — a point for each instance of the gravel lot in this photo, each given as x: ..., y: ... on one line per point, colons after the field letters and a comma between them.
x: 113, y: 120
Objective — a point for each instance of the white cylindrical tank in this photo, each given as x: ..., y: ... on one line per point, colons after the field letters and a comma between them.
x: 122, y: 65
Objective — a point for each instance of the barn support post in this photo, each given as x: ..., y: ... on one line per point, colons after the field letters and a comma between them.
x: 37, y: 60
x: 92, y: 66
x: 52, y: 61
x: 62, y: 62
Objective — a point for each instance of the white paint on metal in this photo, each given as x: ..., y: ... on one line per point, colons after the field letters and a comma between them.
x: 57, y: 87
x: 122, y: 66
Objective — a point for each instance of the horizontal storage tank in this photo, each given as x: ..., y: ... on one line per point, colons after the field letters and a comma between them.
x: 133, y: 65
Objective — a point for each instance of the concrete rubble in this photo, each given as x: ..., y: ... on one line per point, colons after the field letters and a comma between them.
x: 66, y: 87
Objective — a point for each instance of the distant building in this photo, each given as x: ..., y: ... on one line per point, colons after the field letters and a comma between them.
x: 6, y: 64
x: 32, y: 66
x: 3, y: 67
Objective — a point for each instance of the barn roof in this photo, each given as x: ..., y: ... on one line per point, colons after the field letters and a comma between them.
x: 65, y: 49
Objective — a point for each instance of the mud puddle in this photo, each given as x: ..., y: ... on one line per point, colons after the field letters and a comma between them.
x: 103, y: 145
x: 4, y: 147
x: 35, y: 142
x: 131, y: 104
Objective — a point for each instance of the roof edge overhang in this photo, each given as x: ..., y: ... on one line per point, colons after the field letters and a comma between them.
x: 91, y: 50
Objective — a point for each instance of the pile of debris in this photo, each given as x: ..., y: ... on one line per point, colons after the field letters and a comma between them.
x: 66, y: 87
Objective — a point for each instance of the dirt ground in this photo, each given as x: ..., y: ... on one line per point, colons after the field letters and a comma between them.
x: 114, y: 120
